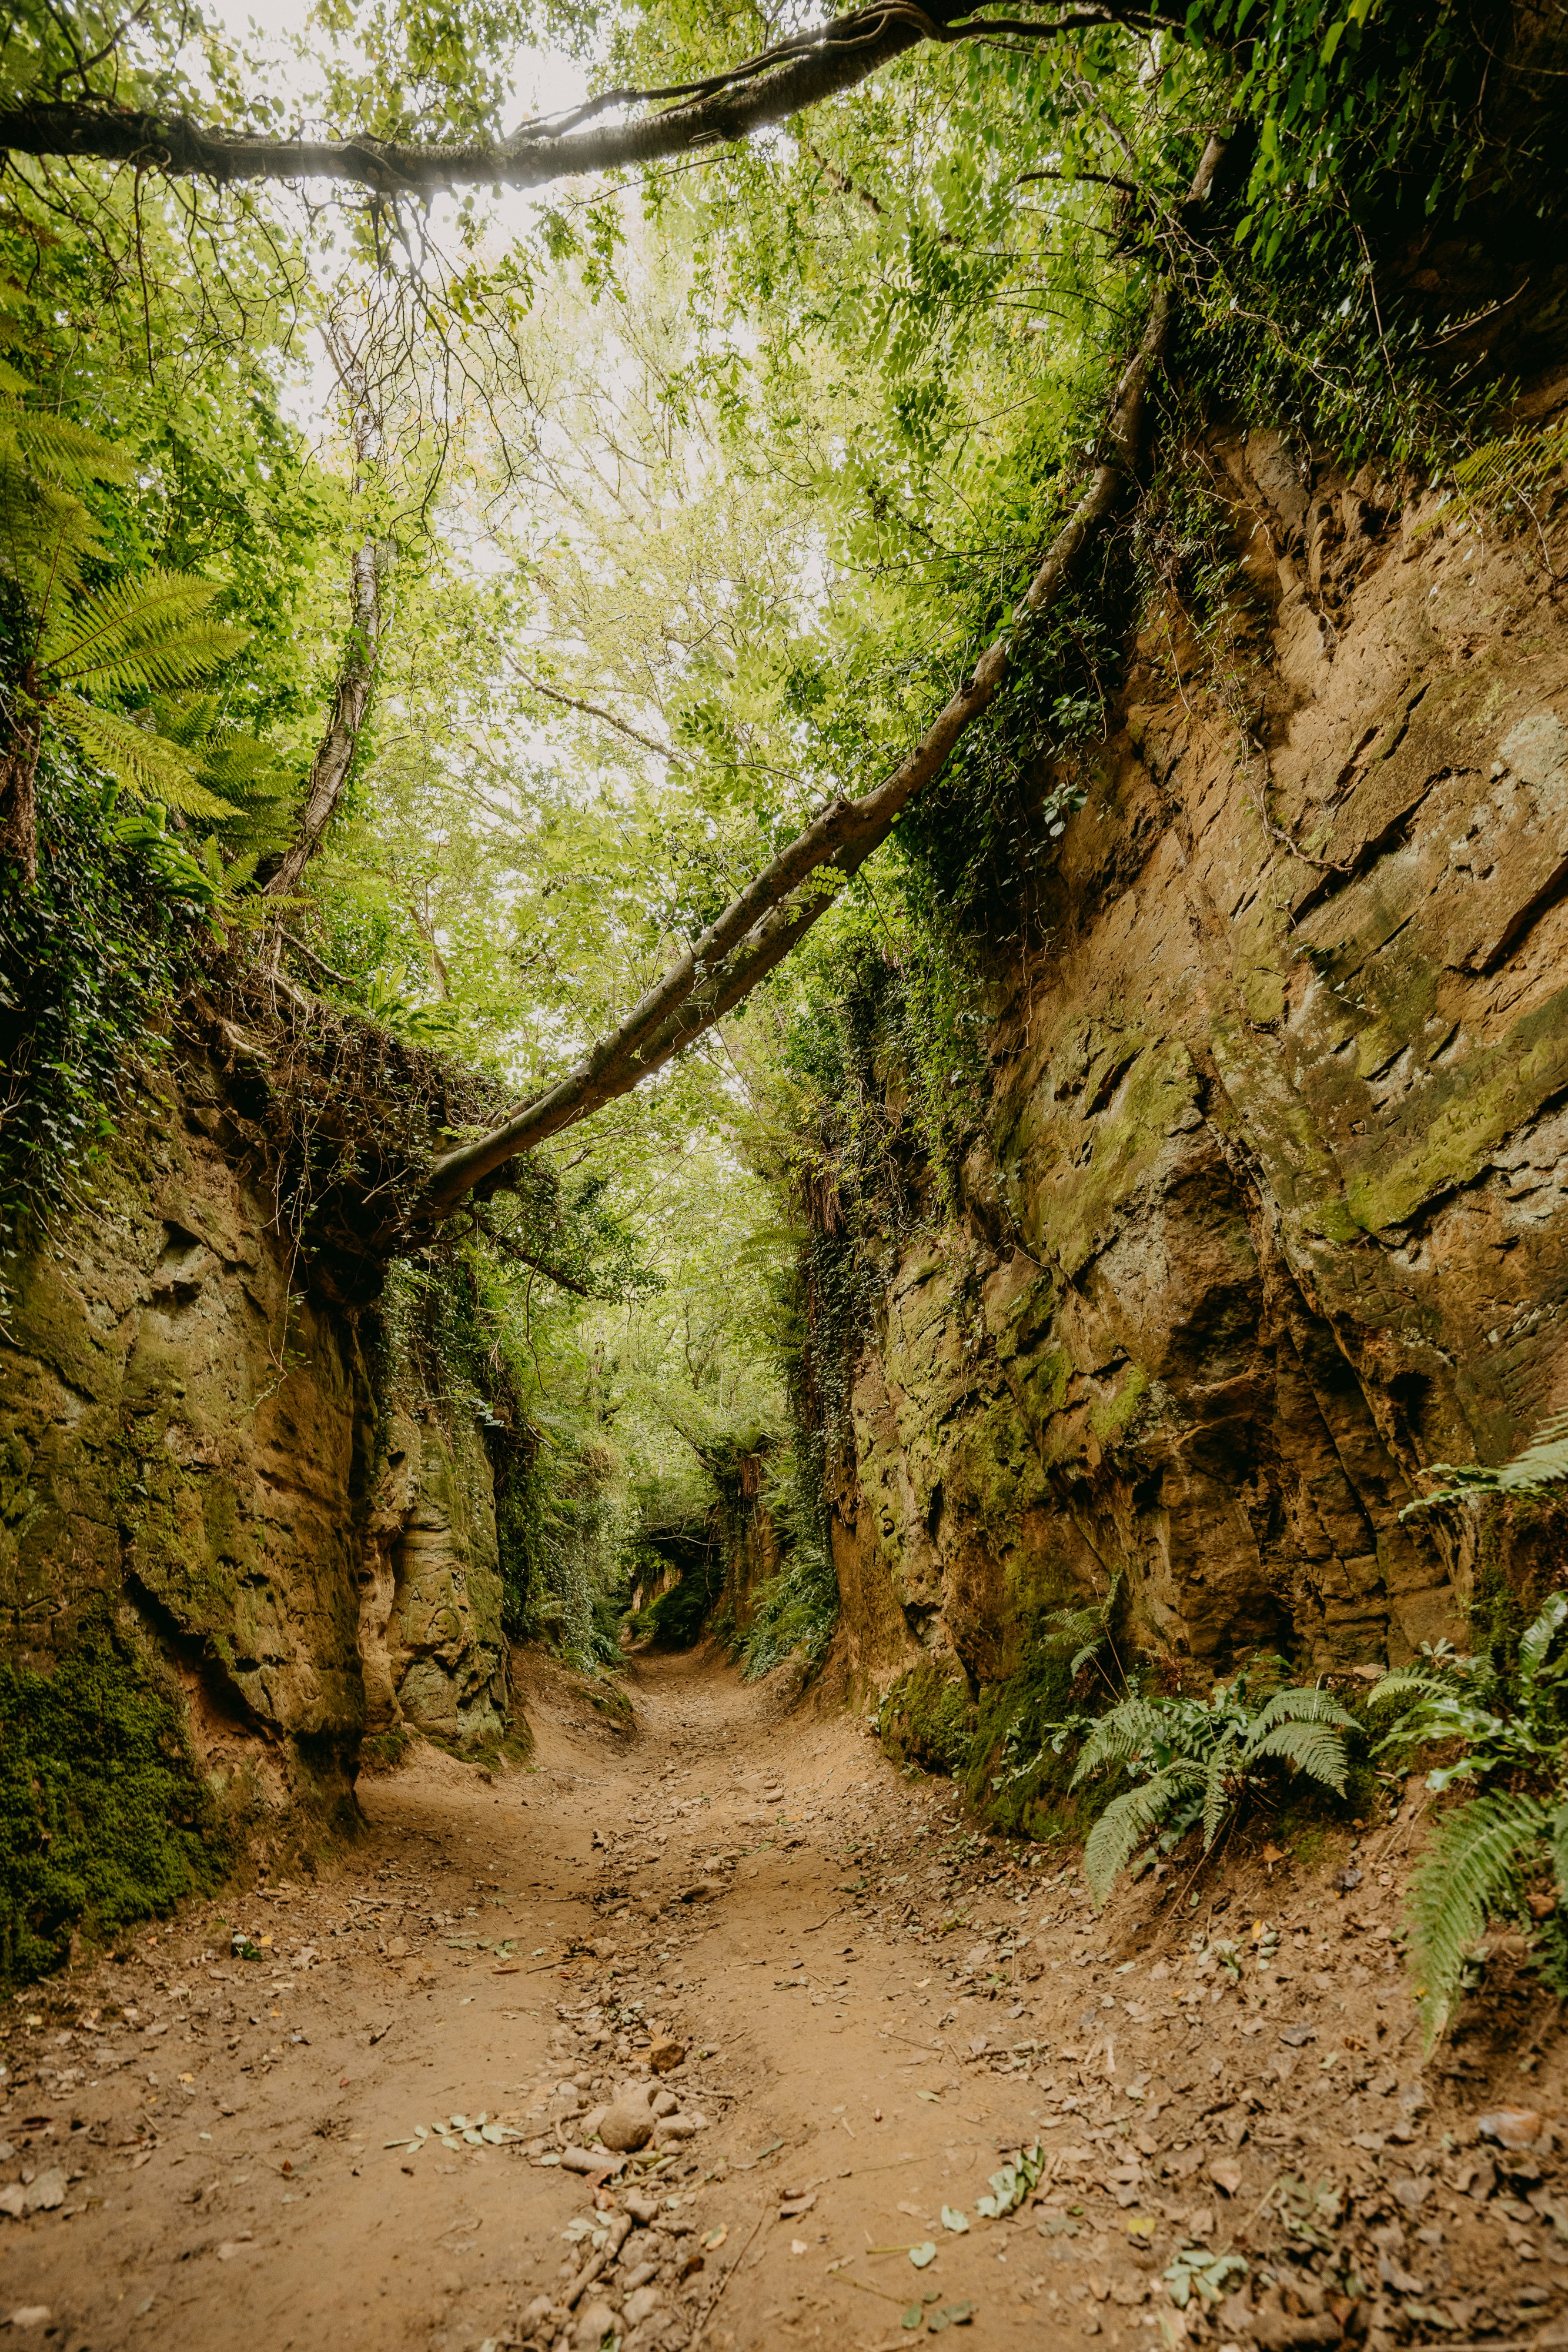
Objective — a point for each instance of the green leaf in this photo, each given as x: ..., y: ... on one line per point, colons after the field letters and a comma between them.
x: 1534, y: 1642
x: 1472, y: 1871
x: 144, y: 762
x: 145, y: 631
x: 1217, y: 1794
x: 1127, y: 1821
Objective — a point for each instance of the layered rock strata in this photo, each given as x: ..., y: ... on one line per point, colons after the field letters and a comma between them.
x: 1271, y: 1208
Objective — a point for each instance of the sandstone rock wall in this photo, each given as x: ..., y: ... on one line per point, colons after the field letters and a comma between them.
x: 1273, y: 1209
x: 257, y: 1486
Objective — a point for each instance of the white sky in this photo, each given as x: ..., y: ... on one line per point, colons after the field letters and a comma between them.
x: 545, y: 81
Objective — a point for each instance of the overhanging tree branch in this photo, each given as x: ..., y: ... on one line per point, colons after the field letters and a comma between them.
x: 776, y: 83
x: 766, y: 919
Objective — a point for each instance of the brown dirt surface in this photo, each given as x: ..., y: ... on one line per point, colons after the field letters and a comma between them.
x: 354, y: 2139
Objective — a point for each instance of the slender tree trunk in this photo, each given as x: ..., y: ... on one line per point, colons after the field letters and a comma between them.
x: 20, y: 797
x: 350, y: 707
x: 357, y: 676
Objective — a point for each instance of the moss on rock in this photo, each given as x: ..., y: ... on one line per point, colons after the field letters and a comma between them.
x: 105, y: 1817
x: 929, y: 1718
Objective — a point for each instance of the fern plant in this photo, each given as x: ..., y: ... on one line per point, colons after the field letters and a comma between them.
x: 81, y: 651
x: 1198, y: 1761
x: 1542, y: 1465
x: 1504, y: 1853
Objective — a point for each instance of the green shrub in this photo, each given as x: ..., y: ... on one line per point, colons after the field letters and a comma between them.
x: 677, y: 1619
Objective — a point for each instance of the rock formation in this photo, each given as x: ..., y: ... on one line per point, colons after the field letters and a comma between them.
x: 1271, y: 1210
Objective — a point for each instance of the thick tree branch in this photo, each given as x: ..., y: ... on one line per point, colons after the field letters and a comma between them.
x: 766, y: 919
x: 763, y: 89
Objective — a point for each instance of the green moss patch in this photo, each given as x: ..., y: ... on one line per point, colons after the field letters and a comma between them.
x: 383, y: 1752
x: 1013, y: 1776
x: 928, y: 1719
x: 104, y: 1815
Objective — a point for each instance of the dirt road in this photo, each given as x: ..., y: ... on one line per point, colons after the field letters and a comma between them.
x: 355, y: 2138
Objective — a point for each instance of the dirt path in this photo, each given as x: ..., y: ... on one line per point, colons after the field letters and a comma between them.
x: 875, y: 2009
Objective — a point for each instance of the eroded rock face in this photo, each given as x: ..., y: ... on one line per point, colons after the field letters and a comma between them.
x: 1272, y: 1209
x: 432, y: 1557
x: 289, y: 1524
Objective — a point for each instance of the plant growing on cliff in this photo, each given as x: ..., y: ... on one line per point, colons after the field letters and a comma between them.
x: 1502, y: 1855
x: 1196, y: 1762
x: 1542, y: 1465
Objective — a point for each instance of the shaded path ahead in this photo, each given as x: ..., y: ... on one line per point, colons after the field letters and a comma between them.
x: 874, y: 2007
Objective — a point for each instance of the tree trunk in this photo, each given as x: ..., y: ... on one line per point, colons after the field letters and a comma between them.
x: 20, y: 797
x: 350, y: 703
x: 356, y: 677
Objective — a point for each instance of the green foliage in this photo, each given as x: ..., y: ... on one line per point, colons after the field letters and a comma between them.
x: 88, y: 963
x: 678, y: 1618
x: 81, y: 650
x: 795, y: 1610
x: 1194, y: 1763
x: 104, y: 1816
x: 1506, y: 1710
x: 1534, y: 1473
x: 1474, y: 1873
x: 1016, y: 1774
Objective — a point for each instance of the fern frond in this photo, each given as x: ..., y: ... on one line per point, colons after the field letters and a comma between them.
x: 1312, y: 1747
x: 1072, y: 1629
x: 148, y: 765
x: 189, y: 719
x: 1408, y: 1682
x: 1127, y: 1821
x: 1217, y: 1795
x: 1471, y: 1872
x: 1557, y: 1833
x: 45, y: 534
x: 146, y: 631
x: 1303, y: 1704
x: 58, y: 449
x: 1543, y: 1463
x: 1128, y: 1729
x: 1538, y: 1637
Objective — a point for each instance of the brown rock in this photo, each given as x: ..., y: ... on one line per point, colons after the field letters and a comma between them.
x: 595, y: 2321
x: 627, y: 2123
x: 591, y: 2161
x: 1517, y: 2128
x: 667, y: 2055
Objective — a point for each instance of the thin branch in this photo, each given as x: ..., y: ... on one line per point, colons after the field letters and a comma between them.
x: 593, y: 710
